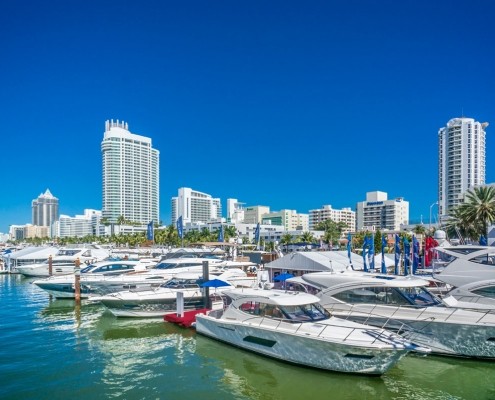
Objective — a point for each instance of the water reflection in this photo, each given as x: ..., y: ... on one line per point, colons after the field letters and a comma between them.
x: 164, y: 358
x: 258, y: 377
x: 414, y: 377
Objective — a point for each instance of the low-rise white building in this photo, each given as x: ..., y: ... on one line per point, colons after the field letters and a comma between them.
x: 345, y: 215
x: 377, y: 212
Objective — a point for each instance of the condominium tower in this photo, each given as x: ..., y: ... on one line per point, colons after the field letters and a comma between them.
x: 194, y: 206
x: 461, y: 160
x: 44, y: 209
x: 130, y: 175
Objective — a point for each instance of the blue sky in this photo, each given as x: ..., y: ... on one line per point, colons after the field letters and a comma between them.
x: 280, y: 103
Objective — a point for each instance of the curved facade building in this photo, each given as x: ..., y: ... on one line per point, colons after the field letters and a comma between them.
x: 130, y: 175
x: 461, y: 166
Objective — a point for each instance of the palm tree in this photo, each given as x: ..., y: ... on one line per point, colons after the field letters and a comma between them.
x: 476, y: 213
x: 286, y: 239
x: 307, y: 237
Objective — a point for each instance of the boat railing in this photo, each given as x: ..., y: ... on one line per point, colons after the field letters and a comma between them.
x: 390, y: 323
x: 379, y: 335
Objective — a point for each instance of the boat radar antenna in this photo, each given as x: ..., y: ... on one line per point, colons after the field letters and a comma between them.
x: 331, y: 267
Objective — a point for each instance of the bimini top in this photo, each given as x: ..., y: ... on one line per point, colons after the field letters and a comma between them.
x: 277, y: 297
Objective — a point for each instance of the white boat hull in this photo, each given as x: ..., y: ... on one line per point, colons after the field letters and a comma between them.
x: 441, y: 336
x: 306, y: 350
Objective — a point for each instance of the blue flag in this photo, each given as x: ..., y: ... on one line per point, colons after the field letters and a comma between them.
x: 257, y: 235
x: 180, y: 228
x: 149, y: 232
x: 365, y: 254
x: 483, y: 241
x: 407, y: 250
x: 371, y: 253
x: 397, y: 254
x: 384, y: 267
x: 349, y: 241
x: 220, y: 234
x: 415, y: 265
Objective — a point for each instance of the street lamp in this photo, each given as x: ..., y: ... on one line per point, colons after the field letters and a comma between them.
x: 436, y: 202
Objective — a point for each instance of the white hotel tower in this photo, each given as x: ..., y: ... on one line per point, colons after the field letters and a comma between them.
x: 130, y: 175
x: 461, y: 160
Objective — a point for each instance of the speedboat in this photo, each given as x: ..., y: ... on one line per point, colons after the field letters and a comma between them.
x: 92, y: 276
x: 404, y: 305
x: 64, y: 261
x: 292, y: 326
x: 460, y: 265
x: 162, y: 300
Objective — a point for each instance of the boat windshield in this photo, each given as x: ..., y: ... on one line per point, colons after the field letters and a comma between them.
x: 165, y: 265
x: 402, y: 296
x: 419, y: 296
x: 305, y: 312
x: 297, y: 313
x: 67, y: 252
x: 177, y: 283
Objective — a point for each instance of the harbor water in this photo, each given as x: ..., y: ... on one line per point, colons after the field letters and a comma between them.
x: 53, y: 349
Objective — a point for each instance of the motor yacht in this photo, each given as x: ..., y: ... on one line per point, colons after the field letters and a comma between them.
x: 460, y: 265
x: 292, y: 326
x: 91, y: 278
x: 480, y: 294
x: 64, y: 260
x: 404, y: 305
x: 162, y: 300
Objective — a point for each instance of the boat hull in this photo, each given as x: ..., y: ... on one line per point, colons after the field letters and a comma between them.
x: 442, y: 337
x: 305, y: 350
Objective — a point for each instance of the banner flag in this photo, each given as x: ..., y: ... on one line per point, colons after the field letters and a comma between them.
x: 220, y: 234
x: 415, y: 265
x: 384, y: 267
x: 150, y: 234
x: 397, y: 254
x: 407, y: 250
x: 180, y: 228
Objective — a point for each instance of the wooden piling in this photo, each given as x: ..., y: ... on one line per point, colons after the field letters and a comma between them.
x: 206, y: 277
x: 50, y: 266
x: 77, y: 281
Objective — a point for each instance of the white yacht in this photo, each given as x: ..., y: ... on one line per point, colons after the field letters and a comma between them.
x: 62, y: 286
x: 404, y: 305
x: 480, y: 294
x: 293, y: 327
x: 460, y: 265
x: 64, y: 261
x: 162, y: 300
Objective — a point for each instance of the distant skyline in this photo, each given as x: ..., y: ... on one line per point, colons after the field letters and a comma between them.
x: 286, y: 104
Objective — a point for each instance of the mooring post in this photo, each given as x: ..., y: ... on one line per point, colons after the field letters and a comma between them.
x: 50, y: 266
x: 77, y: 281
x: 206, y: 278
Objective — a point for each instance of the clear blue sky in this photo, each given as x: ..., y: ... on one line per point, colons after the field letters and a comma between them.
x: 280, y: 103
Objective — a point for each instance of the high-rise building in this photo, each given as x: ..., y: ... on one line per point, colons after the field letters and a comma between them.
x: 195, y: 206
x: 44, y: 209
x: 345, y: 215
x: 131, y: 178
x: 377, y: 212
x: 461, y: 160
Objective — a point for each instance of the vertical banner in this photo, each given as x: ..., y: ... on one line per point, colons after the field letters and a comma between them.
x: 397, y: 254
x: 407, y: 250
x: 384, y: 267
x: 150, y: 234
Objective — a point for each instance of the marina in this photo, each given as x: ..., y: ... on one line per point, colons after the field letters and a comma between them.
x: 59, y: 350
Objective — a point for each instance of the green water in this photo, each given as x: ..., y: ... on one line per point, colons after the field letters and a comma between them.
x: 55, y: 350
